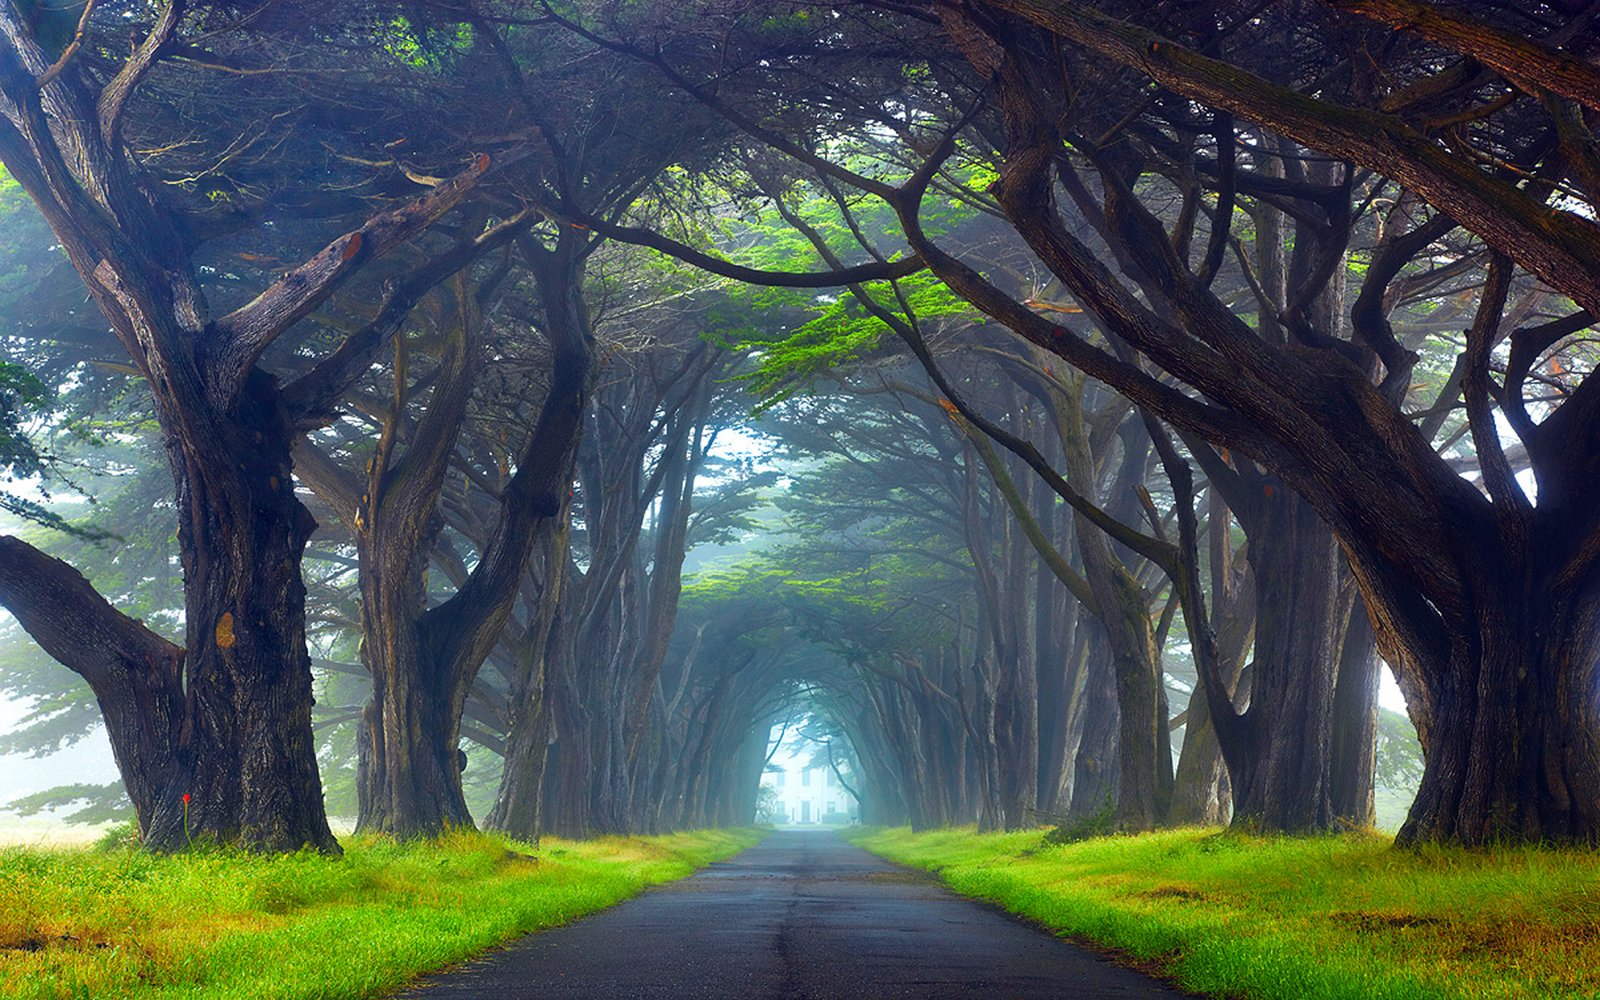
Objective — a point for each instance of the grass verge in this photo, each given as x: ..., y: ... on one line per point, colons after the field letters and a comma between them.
x: 1310, y: 918
x: 79, y: 923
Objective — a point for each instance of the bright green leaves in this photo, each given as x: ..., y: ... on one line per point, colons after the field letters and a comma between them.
x: 422, y: 46
x: 836, y: 328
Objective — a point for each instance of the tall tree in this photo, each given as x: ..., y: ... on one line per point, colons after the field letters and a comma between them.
x: 1449, y: 569
x: 213, y: 737
x: 1466, y: 581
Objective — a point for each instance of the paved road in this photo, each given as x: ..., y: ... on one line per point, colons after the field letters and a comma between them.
x: 801, y: 915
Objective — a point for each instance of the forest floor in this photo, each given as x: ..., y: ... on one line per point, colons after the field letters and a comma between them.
x: 223, y: 924
x: 1307, y: 918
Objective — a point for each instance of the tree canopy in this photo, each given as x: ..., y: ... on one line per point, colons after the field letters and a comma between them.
x: 1129, y: 385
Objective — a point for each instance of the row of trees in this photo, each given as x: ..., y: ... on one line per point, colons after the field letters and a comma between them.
x: 1179, y: 297
x: 1131, y: 165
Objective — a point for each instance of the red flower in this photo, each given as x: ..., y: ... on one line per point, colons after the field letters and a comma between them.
x: 185, y: 798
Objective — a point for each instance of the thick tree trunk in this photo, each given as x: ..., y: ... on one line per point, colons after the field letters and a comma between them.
x: 424, y: 660
x: 214, y: 740
x: 1511, y: 737
x: 739, y: 801
x: 883, y: 802
x: 1021, y: 689
x: 1203, y: 793
x: 1283, y: 776
x: 568, y: 779
x: 570, y: 771
x: 1482, y: 596
x: 518, y: 807
x: 244, y: 769
x: 1144, y: 755
x: 410, y: 760
x: 246, y: 756
x: 1056, y: 717
x: 1062, y: 645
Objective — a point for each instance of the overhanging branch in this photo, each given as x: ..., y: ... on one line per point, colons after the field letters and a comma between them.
x: 241, y: 336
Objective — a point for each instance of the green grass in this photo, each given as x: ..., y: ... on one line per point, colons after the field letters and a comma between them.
x: 1304, y: 918
x: 80, y: 923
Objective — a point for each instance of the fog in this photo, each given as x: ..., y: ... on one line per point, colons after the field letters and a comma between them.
x: 88, y: 761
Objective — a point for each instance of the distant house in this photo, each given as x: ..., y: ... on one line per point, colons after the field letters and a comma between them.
x: 807, y: 796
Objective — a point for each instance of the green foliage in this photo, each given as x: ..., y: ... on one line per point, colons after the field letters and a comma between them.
x: 141, y: 577
x: 121, y: 923
x: 766, y: 805
x: 421, y: 44
x: 795, y: 336
x: 24, y: 400
x: 90, y: 804
x: 1399, y: 764
x: 1398, y: 770
x: 23, y: 235
x: 1294, y: 918
x: 871, y: 570
x: 842, y: 332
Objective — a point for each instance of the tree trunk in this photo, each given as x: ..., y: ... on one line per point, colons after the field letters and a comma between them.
x: 1095, y: 765
x: 518, y: 803
x: 1283, y: 776
x: 243, y: 764
x: 1511, y: 730
x: 1022, y: 799
x: 1061, y: 685
x: 246, y: 756
x: 1062, y: 643
x: 1144, y: 755
x: 1197, y: 798
x: 1355, y: 724
x: 410, y: 759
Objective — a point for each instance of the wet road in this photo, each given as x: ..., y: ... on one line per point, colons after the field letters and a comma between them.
x: 800, y: 915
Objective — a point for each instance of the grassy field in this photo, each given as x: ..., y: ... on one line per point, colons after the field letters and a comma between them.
x: 107, y: 924
x: 1303, y: 918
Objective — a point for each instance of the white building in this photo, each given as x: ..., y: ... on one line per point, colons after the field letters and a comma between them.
x: 806, y: 796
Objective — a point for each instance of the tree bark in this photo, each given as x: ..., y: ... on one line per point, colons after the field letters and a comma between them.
x: 1355, y: 724
x: 1095, y: 765
x: 246, y: 757
x: 135, y: 674
x: 1512, y: 742
x: 1284, y: 780
x: 518, y: 803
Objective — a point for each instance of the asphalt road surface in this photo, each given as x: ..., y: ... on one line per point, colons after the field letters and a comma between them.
x: 800, y: 915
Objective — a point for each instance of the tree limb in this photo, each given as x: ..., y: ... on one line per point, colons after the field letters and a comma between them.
x: 242, y: 335
x: 874, y: 271
x: 311, y: 397
x: 72, y: 48
x: 1556, y: 245
x: 1525, y: 62
x: 114, y: 98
